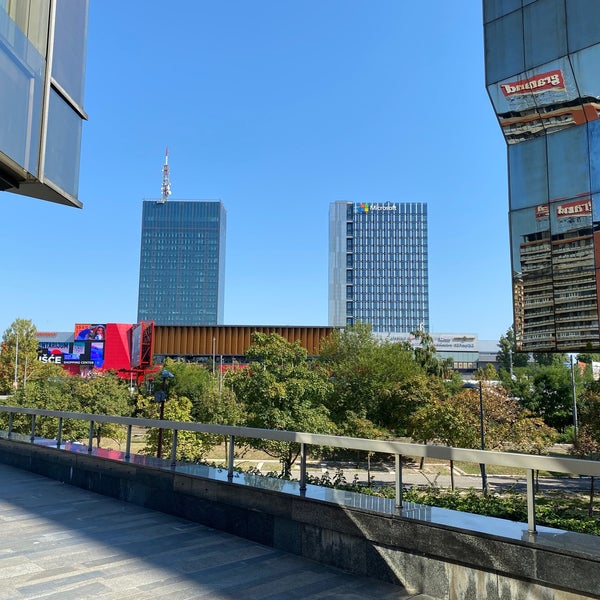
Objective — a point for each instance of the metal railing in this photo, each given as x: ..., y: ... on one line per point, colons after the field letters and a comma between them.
x: 530, y: 463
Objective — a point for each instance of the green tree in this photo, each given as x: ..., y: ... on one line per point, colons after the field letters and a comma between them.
x: 191, y: 380
x: 426, y: 357
x: 18, y: 355
x: 550, y: 395
x: 282, y: 390
x: 373, y: 380
x: 456, y: 421
x: 548, y: 359
x: 507, y: 356
x: 103, y: 394
x: 191, y: 446
x: 50, y: 388
x: 587, y: 443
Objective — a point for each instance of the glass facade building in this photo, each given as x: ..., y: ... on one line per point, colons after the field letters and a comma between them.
x: 542, y: 60
x: 182, y: 263
x: 378, y: 270
x: 42, y: 71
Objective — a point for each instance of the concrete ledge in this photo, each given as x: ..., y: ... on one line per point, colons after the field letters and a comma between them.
x: 428, y: 558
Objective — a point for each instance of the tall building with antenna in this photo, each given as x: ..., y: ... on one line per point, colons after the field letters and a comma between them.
x: 182, y: 260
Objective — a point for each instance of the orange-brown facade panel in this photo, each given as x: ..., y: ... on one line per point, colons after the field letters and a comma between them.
x: 228, y: 340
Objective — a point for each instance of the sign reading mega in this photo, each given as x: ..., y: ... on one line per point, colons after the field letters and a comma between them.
x: 552, y: 81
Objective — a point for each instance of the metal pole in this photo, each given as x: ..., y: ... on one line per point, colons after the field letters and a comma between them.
x: 302, y: 468
x: 59, y: 434
x: 231, y: 455
x: 91, y: 436
x: 482, y: 432
x: 575, y: 420
x: 128, y: 444
x: 531, y: 502
x: 174, y: 449
x: 32, y: 436
x: 16, y: 383
x: 159, y: 443
x: 398, y: 481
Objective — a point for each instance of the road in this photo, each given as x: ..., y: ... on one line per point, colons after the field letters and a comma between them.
x: 433, y: 475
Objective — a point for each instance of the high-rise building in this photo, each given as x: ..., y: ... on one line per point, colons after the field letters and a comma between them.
x: 182, y: 263
x: 42, y: 70
x: 378, y: 271
x: 542, y: 76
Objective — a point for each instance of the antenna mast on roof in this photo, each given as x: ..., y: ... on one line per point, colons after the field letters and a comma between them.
x: 166, y: 184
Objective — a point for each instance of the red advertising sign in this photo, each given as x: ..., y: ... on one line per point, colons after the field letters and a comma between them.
x: 542, y: 211
x: 552, y: 81
x: 579, y: 208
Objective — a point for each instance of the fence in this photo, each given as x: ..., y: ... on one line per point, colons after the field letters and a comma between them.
x: 530, y: 463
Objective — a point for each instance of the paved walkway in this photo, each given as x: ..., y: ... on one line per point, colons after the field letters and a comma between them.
x: 63, y: 542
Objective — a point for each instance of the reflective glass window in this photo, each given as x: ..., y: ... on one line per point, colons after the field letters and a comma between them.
x: 583, y: 17
x: 68, y: 64
x: 528, y: 173
x: 585, y: 67
x: 568, y: 163
x: 594, y: 138
x: 63, y: 145
x: 504, y: 47
x: 544, y: 32
x: 21, y: 83
x: 492, y: 9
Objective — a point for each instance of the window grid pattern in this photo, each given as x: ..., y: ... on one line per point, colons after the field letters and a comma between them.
x: 385, y: 280
x: 182, y: 263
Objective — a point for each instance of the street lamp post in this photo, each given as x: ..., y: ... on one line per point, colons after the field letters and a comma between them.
x: 16, y: 383
x: 575, y: 420
x: 160, y: 396
x: 484, y: 486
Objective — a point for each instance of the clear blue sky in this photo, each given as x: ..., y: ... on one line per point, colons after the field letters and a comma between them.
x: 277, y: 108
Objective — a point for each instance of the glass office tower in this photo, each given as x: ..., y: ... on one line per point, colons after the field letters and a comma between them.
x: 542, y: 60
x: 182, y: 263
x: 378, y: 271
x: 42, y: 70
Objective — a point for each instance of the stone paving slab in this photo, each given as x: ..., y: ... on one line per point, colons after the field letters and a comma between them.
x: 59, y: 541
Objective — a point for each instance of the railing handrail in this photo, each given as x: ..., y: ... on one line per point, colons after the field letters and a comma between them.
x: 567, y: 465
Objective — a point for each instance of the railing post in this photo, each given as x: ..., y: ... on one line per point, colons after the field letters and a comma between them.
x: 302, y: 467
x: 531, y: 501
x: 10, y: 425
x: 59, y: 433
x: 128, y: 443
x: 230, y: 458
x: 32, y: 436
x: 174, y: 448
x: 398, y: 481
x: 91, y: 436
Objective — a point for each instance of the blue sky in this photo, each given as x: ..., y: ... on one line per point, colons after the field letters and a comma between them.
x: 277, y: 108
